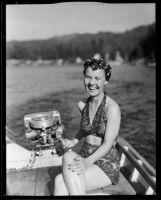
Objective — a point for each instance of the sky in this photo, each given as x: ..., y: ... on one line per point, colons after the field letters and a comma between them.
x: 43, y: 21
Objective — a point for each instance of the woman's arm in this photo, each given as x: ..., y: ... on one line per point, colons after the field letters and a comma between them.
x: 112, y: 129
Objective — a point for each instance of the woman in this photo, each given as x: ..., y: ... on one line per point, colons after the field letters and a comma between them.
x: 97, y: 164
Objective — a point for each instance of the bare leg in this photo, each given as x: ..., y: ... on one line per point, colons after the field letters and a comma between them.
x: 76, y: 184
x: 96, y: 178
x: 60, y: 187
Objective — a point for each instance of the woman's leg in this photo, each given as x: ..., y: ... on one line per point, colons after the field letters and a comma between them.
x: 93, y: 178
x: 76, y: 184
x: 60, y: 187
x: 96, y: 178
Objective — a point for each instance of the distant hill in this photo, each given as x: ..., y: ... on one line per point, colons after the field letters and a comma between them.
x: 132, y: 44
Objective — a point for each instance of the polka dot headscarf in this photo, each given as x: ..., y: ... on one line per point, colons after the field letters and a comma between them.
x: 98, y: 64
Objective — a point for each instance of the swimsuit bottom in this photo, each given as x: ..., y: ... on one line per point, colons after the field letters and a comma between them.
x: 110, y: 163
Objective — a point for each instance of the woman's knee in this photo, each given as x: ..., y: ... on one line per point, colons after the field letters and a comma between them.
x: 69, y: 156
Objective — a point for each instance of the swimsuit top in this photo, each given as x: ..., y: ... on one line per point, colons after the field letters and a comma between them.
x: 98, y: 124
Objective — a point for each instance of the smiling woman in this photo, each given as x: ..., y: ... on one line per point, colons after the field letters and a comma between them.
x: 94, y: 77
x: 98, y: 158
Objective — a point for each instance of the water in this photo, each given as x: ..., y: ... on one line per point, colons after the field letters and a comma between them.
x: 36, y: 89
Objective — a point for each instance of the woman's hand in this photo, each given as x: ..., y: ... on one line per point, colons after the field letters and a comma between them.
x: 67, y: 143
x: 79, y: 165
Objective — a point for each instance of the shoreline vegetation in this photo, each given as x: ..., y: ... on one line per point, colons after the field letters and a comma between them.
x: 133, y: 44
x: 39, y: 89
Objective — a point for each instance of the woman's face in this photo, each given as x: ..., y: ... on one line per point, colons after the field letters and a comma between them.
x: 94, y: 81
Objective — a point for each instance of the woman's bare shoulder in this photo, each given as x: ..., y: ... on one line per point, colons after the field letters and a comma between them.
x: 81, y: 105
x: 112, y: 106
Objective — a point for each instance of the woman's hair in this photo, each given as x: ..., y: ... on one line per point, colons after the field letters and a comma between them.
x: 98, y: 64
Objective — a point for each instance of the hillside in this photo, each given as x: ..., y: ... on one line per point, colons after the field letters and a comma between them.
x: 132, y: 44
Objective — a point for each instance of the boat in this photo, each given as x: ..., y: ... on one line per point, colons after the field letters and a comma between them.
x: 32, y: 173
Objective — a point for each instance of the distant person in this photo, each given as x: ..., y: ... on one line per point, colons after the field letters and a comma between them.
x: 97, y: 164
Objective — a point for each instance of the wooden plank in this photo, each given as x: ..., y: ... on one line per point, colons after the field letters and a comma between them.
x: 33, y: 182
x: 123, y: 143
x: 45, y: 181
x: 21, y: 183
x: 145, y: 172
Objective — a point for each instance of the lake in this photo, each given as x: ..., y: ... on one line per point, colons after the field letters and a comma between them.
x: 32, y: 89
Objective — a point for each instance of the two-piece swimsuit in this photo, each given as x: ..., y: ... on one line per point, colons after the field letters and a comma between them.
x: 110, y: 163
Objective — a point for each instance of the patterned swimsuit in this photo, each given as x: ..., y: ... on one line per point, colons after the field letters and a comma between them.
x: 110, y: 162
